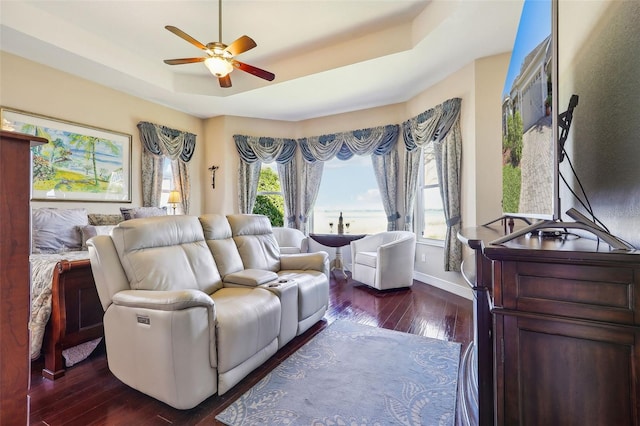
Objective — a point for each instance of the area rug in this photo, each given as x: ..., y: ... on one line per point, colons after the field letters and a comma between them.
x: 353, y: 374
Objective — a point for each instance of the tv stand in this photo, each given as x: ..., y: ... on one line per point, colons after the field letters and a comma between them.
x: 581, y: 222
x: 508, y: 222
x: 556, y: 332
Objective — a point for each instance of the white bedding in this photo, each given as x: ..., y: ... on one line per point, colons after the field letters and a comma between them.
x: 41, y: 276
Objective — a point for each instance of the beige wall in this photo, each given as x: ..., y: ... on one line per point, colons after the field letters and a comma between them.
x: 28, y: 86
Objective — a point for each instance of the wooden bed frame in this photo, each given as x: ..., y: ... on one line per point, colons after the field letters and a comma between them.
x: 76, y: 314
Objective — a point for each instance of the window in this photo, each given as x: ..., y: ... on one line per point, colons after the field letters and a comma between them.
x: 269, y: 199
x: 349, y: 187
x: 167, y: 183
x: 429, y: 211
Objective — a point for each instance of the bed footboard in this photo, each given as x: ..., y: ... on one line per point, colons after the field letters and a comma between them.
x: 76, y: 313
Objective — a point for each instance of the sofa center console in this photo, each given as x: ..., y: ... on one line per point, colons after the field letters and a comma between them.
x: 287, y: 292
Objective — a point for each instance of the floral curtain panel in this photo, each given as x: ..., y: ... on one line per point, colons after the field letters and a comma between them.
x: 161, y: 142
x: 440, y: 126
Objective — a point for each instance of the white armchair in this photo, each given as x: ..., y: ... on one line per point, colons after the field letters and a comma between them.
x: 384, y: 260
x: 291, y: 240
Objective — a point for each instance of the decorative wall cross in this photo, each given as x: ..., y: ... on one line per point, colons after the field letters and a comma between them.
x: 213, y: 169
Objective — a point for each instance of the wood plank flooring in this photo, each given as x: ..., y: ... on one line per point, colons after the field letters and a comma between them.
x: 90, y: 395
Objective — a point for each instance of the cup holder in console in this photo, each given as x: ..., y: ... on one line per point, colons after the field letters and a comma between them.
x: 277, y: 283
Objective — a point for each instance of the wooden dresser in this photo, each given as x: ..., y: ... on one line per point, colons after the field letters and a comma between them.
x: 564, y: 331
x: 15, y: 178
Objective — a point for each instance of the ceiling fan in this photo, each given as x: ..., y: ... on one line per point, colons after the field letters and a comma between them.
x: 220, y: 59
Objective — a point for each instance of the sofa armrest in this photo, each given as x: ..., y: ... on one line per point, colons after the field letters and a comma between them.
x: 172, y: 301
x: 163, y: 300
x: 318, y: 261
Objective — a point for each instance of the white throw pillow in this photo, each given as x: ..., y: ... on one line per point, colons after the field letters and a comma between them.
x: 56, y: 230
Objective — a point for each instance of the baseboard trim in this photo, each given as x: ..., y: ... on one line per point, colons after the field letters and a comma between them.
x: 456, y: 289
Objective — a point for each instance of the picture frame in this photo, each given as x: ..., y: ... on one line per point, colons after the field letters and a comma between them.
x: 80, y: 162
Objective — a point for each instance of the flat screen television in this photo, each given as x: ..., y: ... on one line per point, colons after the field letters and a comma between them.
x: 531, y: 144
x: 530, y: 117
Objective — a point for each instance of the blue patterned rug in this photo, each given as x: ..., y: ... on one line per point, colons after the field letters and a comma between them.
x: 353, y: 374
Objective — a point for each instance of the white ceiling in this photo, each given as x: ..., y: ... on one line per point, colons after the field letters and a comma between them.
x: 328, y: 56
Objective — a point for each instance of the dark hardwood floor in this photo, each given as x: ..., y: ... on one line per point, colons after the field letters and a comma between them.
x: 90, y: 395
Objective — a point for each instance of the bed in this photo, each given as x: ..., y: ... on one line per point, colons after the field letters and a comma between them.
x: 66, y: 314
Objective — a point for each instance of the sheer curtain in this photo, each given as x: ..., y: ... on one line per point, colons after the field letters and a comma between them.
x: 379, y: 142
x: 254, y: 150
x: 440, y: 126
x: 161, y: 142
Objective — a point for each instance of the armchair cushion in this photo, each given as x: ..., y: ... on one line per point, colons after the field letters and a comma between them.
x: 369, y: 258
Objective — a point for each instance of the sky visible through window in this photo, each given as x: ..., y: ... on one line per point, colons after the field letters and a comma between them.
x: 535, y: 26
x: 349, y: 187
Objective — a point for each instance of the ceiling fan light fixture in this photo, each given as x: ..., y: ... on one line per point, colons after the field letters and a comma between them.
x: 219, y: 67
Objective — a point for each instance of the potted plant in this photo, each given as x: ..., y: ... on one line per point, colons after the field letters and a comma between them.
x: 547, y: 105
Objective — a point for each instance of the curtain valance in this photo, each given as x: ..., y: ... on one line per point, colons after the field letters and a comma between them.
x: 164, y: 141
x: 265, y: 149
x: 375, y: 140
x: 431, y: 125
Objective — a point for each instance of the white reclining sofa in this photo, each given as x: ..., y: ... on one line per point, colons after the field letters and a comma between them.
x: 192, y: 305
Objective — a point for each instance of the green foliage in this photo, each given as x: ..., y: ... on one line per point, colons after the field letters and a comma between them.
x: 511, y: 182
x: 271, y: 205
x: 42, y: 170
x: 69, y: 181
x: 512, y: 143
x: 267, y: 205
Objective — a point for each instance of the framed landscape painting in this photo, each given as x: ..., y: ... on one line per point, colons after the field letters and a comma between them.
x: 80, y: 163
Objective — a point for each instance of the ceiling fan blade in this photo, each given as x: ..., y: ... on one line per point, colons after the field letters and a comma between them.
x: 185, y: 36
x: 241, y: 45
x: 254, y: 70
x: 183, y: 61
x: 225, y: 81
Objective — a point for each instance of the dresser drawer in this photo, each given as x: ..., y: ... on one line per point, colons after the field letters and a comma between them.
x: 586, y: 292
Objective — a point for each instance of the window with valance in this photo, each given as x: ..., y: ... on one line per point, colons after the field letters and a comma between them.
x: 439, y: 126
x: 160, y: 142
x: 378, y: 142
x: 253, y: 151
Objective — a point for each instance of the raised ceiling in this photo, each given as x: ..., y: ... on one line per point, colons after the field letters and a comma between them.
x: 329, y: 56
